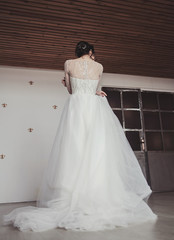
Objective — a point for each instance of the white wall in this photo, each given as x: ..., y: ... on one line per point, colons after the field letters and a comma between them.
x: 141, y: 82
x: 30, y: 106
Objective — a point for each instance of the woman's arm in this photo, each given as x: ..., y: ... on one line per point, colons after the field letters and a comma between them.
x: 98, y: 91
x: 67, y: 77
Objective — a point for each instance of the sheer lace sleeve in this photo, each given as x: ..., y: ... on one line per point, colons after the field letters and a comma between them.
x: 100, y: 76
x: 66, y: 66
x: 67, y: 76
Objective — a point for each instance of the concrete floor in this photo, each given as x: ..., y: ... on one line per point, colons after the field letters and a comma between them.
x: 161, y: 203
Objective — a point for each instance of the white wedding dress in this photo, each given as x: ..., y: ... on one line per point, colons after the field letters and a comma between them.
x: 92, y: 180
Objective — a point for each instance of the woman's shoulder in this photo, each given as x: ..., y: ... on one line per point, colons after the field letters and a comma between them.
x: 71, y: 59
x: 100, y: 65
x: 76, y: 59
x: 67, y: 60
x: 67, y: 63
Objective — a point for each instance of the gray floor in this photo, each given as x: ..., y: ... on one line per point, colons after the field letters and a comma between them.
x: 161, y: 203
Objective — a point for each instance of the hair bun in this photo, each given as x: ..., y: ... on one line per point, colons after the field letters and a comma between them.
x: 82, y: 48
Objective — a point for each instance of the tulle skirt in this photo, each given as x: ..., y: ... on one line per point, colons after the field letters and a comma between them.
x: 92, y: 180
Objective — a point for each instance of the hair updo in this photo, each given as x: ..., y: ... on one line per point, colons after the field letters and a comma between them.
x: 83, y: 48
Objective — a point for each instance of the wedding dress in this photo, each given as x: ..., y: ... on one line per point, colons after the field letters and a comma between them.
x: 92, y: 180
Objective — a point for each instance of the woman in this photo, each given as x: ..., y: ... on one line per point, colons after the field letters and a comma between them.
x: 92, y: 180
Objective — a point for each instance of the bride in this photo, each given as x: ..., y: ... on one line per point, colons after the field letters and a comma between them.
x: 92, y: 180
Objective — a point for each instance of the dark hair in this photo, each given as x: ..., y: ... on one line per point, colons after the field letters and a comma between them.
x: 83, y: 48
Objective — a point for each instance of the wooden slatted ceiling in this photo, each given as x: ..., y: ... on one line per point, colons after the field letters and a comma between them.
x: 130, y: 37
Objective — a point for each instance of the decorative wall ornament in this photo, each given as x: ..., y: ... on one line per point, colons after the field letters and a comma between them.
x: 30, y: 129
x: 55, y: 106
x: 2, y: 156
x: 4, y: 105
x: 31, y: 82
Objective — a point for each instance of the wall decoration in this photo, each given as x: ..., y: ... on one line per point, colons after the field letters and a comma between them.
x: 31, y: 82
x: 30, y: 129
x: 4, y: 105
x: 55, y: 106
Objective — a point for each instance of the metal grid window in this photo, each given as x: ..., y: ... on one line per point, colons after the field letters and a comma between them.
x: 147, y: 117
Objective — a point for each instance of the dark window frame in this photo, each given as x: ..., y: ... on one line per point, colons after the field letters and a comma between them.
x: 142, y: 131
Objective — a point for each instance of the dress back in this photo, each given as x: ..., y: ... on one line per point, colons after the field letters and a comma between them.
x: 85, y: 75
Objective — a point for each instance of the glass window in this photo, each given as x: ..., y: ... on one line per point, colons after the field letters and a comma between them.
x: 134, y: 140
x: 167, y: 120
x: 130, y: 100
x: 168, y: 141
x: 158, y: 114
x: 132, y: 119
x: 118, y: 113
x: 166, y: 101
x: 154, y: 141
x: 149, y: 100
x: 113, y: 97
x: 151, y: 120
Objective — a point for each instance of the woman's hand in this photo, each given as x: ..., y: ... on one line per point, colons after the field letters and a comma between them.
x: 63, y: 82
x: 101, y: 93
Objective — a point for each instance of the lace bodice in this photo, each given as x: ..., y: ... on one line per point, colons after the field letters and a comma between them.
x: 84, y: 75
x: 83, y: 85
